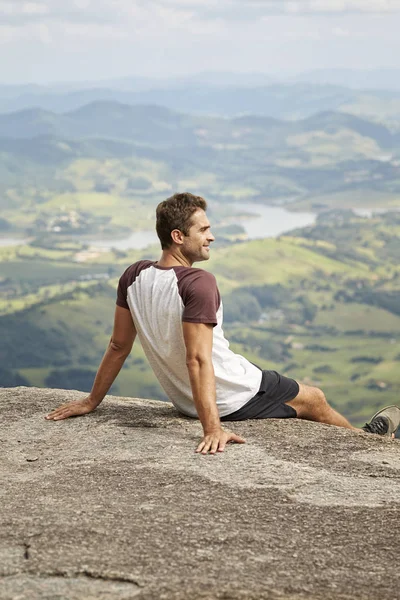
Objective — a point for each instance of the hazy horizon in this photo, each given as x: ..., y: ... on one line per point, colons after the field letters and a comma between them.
x: 270, y: 78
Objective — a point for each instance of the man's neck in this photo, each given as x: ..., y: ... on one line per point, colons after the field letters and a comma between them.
x: 173, y: 259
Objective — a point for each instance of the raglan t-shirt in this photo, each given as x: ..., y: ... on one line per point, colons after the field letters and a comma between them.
x: 160, y: 299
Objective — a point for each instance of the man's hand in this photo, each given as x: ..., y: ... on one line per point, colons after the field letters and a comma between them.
x: 72, y: 409
x: 216, y: 441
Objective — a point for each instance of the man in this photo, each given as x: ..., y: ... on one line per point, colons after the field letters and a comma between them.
x: 176, y: 311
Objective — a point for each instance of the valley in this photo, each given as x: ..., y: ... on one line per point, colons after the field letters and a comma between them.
x: 314, y: 296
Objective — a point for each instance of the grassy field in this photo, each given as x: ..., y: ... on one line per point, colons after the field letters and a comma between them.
x: 351, y: 317
x: 272, y: 261
x: 368, y: 199
x: 326, y: 148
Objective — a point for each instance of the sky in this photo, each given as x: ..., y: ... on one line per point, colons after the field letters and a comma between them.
x: 44, y: 41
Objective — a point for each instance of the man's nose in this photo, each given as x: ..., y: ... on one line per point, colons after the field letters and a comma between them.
x: 211, y: 238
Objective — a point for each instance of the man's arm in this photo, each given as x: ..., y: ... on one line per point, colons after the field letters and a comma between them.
x: 119, y: 348
x: 198, y: 340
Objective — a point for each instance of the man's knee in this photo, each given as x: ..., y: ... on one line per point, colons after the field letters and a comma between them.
x: 310, y: 395
x: 317, y: 402
x: 310, y: 402
x: 319, y: 397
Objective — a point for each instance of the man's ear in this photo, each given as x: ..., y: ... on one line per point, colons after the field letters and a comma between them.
x: 177, y: 236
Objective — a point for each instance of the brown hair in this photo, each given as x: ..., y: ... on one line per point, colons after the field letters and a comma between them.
x: 176, y: 213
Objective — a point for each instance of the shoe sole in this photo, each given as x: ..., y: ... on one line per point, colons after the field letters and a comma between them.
x: 393, y: 419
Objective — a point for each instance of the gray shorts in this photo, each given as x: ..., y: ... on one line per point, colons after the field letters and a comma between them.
x: 269, y: 402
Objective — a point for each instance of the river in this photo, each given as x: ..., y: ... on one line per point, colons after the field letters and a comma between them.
x: 268, y: 221
x: 13, y: 241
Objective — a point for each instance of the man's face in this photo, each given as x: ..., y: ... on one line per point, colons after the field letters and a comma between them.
x: 196, y: 245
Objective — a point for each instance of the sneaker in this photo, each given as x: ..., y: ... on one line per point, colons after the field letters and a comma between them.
x: 384, y: 422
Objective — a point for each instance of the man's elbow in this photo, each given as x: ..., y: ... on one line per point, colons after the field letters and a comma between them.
x: 122, y: 350
x: 197, y: 361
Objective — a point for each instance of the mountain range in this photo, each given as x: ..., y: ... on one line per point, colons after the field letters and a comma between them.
x: 213, y: 96
x: 256, y: 157
x: 159, y: 126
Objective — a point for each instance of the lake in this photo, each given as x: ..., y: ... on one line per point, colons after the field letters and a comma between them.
x: 271, y: 221
x: 268, y: 221
x: 13, y: 241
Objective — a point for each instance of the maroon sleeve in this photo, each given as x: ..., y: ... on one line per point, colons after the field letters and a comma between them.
x: 127, y: 278
x: 122, y: 289
x: 200, y: 296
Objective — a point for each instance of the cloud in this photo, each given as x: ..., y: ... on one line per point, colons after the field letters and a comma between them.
x: 49, y: 40
x: 19, y: 12
x: 23, y: 8
x: 68, y: 22
x: 255, y: 8
x: 101, y: 18
x: 339, y: 6
x: 340, y: 32
x: 251, y: 11
x: 36, y: 31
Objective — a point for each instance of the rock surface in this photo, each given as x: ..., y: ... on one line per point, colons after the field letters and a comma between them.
x: 117, y: 505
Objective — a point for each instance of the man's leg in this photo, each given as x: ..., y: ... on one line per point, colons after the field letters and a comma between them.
x: 311, y: 404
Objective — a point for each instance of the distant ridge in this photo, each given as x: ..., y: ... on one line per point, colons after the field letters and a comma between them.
x: 159, y: 126
x: 143, y: 124
x: 210, y: 95
x: 49, y: 149
x: 360, y: 79
x: 105, y: 106
x: 332, y: 121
